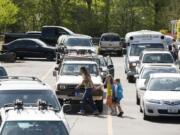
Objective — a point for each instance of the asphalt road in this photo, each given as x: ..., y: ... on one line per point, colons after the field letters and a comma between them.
x: 132, y: 122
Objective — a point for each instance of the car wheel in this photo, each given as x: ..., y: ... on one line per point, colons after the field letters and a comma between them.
x: 131, y: 79
x: 145, y: 117
x: 99, y: 105
x: 119, y: 53
x: 50, y: 57
x: 140, y: 109
x: 137, y: 99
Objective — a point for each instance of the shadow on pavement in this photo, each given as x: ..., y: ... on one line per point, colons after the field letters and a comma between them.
x: 165, y: 120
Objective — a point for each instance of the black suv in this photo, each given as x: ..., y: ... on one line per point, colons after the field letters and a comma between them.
x: 29, y: 47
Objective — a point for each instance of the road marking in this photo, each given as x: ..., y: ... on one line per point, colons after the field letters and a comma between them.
x: 47, y: 74
x: 109, y: 124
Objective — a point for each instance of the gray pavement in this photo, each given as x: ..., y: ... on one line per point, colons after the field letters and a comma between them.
x: 131, y: 124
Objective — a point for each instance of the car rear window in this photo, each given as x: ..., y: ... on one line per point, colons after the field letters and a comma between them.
x: 110, y: 38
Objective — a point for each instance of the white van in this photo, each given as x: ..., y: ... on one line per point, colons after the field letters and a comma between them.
x: 138, y: 41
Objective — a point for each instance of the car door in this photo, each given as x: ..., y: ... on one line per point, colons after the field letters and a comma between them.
x: 34, y: 49
x: 110, y: 65
x: 19, y: 47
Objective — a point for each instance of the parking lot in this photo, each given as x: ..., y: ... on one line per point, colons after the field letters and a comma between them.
x: 104, y: 124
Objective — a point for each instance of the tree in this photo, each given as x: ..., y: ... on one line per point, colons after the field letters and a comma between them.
x: 8, y: 12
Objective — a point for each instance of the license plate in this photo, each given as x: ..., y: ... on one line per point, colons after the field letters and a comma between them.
x: 172, y: 110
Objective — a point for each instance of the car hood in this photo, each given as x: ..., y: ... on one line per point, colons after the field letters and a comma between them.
x: 162, y: 95
x: 82, y: 48
x: 69, y: 79
x: 133, y: 58
x: 140, y: 83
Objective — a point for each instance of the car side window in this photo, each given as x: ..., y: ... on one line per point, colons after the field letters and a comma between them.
x: 32, y: 45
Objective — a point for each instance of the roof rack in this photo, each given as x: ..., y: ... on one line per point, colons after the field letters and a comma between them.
x: 32, y: 78
x: 19, y: 105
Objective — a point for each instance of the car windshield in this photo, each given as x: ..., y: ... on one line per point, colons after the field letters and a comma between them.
x: 165, y: 84
x: 136, y: 49
x: 28, y: 96
x: 78, y: 42
x: 74, y: 69
x: 146, y: 72
x: 158, y: 58
x: 110, y: 38
x: 34, y: 128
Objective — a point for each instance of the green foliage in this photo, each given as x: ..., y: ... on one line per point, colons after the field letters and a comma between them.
x: 91, y: 17
x: 8, y: 12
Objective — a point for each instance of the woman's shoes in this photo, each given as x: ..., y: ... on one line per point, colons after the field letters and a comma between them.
x: 120, y: 114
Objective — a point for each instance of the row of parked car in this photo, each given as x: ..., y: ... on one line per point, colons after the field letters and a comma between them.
x: 149, y: 63
x: 46, y: 44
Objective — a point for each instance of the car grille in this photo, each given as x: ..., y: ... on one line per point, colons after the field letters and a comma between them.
x: 71, y: 87
x: 165, y: 111
x: 172, y: 103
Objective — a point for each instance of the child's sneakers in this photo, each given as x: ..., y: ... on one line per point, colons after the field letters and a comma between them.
x: 120, y: 114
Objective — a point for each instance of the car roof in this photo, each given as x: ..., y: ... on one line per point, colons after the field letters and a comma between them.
x: 32, y: 39
x: 159, y: 66
x: 110, y: 33
x: 22, y: 84
x: 79, y: 62
x: 165, y: 75
x: 30, y: 113
x: 155, y: 51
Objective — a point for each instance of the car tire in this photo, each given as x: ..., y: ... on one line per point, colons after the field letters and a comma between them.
x: 131, y: 79
x: 145, y: 117
x: 137, y: 99
x: 50, y: 57
x: 99, y: 105
x: 119, y: 53
x: 140, y: 109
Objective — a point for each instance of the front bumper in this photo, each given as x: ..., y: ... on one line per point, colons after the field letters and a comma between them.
x: 71, y: 94
x: 152, y: 109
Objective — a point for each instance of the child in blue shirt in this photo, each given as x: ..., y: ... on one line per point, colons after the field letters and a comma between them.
x: 117, y: 96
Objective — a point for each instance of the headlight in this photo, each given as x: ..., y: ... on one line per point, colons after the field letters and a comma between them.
x: 154, y: 101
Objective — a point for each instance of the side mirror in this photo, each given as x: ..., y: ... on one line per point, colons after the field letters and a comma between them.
x: 143, y: 88
x: 110, y: 66
x: 67, y: 108
x: 124, y: 51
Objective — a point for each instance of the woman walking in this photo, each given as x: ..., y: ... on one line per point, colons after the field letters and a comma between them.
x: 87, y: 97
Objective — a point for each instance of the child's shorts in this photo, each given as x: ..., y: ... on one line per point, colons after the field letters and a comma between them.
x: 116, y: 100
x: 109, y: 100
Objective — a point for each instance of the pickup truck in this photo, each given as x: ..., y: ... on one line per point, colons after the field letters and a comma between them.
x: 48, y: 34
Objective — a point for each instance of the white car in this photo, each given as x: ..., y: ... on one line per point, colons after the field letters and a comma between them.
x: 145, y: 73
x: 162, y: 96
x: 68, y: 77
x: 109, y: 43
x: 41, y: 119
x: 155, y: 56
x: 28, y: 89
